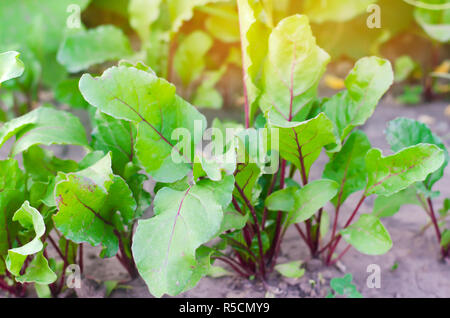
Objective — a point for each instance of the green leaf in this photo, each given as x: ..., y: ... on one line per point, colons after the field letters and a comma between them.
x: 43, y: 126
x: 302, y: 142
x: 293, y: 68
x: 246, y: 178
x: 388, y: 175
x: 348, y: 166
x: 344, y: 286
x: 117, y: 136
x: 445, y: 240
x: 386, y: 206
x: 217, y: 272
x: 10, y: 66
x: 67, y: 92
x: 142, y: 14
x: 411, y: 95
x: 189, y: 59
x: 150, y: 102
x: 404, y: 66
x: 368, y: 235
x: 436, y: 23
x: 302, y: 203
x: 222, y: 23
x: 94, y: 206
x: 254, y: 34
x: 206, y: 94
x: 85, y: 48
x: 335, y: 10
x: 28, y: 217
x: 164, y: 246
x: 41, y: 164
x: 291, y: 269
x: 366, y: 84
x: 12, y: 196
x: 403, y: 132
x: 38, y: 270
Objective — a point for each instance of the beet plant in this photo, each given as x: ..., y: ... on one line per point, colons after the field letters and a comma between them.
x: 403, y: 133
x: 229, y: 193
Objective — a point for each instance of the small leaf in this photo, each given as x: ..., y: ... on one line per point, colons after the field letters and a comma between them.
x: 445, y: 240
x: 368, y: 235
x: 302, y: 203
x: 291, y: 269
x: 301, y: 142
x: 217, y: 272
x: 344, y: 286
x: 10, y: 66
x: 404, y: 66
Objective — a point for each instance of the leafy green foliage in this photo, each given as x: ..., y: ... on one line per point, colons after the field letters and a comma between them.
x: 302, y: 203
x: 183, y: 221
x: 43, y: 126
x: 435, y: 22
x: 347, y: 167
x: 94, y: 206
x: 388, y: 175
x: 368, y: 235
x: 366, y: 84
x: 10, y: 66
x: 343, y: 286
x: 403, y: 132
x: 189, y: 59
x: 83, y: 49
x: 150, y: 102
x: 291, y: 269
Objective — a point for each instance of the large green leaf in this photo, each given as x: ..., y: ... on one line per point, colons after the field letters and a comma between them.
x: 293, y: 67
x: 436, y: 23
x: 404, y: 132
x: 164, y: 246
x: 302, y: 142
x: 302, y: 203
x: 368, y: 235
x: 189, y: 59
x: 94, y: 206
x: 38, y: 270
x: 388, y: 175
x: 10, y: 66
x: 254, y: 34
x: 348, y: 166
x: 150, y: 102
x: 43, y: 126
x: 366, y: 84
x: 85, y: 48
x: 335, y: 10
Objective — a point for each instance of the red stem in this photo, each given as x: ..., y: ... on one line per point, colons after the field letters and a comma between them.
x: 436, y: 225
x: 258, y: 232
x: 330, y: 254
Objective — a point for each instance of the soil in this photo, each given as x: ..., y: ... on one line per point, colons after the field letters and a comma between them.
x: 412, y: 268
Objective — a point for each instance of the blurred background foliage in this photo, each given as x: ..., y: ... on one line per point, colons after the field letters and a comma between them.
x: 196, y: 45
